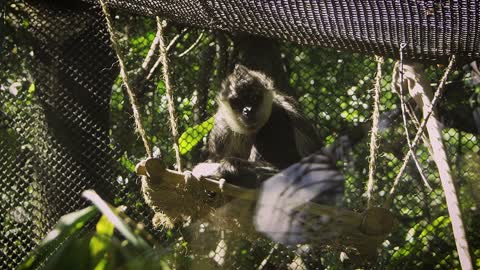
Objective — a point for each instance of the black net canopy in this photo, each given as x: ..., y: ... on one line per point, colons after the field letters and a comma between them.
x: 431, y: 29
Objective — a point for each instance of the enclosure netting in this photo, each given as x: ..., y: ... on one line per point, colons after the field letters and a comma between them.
x: 66, y: 124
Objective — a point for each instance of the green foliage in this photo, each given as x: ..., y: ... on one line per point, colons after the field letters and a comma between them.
x: 120, y: 225
x: 127, y: 163
x: 66, y: 247
x: 100, y: 242
x: 419, y: 242
x: 193, y: 135
x: 59, y: 236
x: 477, y: 255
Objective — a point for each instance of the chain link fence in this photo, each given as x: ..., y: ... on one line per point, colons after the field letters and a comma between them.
x: 66, y: 126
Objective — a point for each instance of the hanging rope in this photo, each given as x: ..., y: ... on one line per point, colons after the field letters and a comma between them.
x: 404, y: 117
x: 126, y: 80
x: 169, y: 91
x: 421, y: 92
x: 374, y: 132
x: 420, y: 131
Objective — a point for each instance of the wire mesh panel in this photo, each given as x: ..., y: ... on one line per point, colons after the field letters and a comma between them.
x: 66, y: 125
x: 55, y: 122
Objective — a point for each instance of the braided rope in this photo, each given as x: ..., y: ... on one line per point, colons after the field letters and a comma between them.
x: 374, y: 132
x: 169, y: 91
x: 125, y: 78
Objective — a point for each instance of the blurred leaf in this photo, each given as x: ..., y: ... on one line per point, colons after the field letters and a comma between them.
x: 127, y: 163
x: 477, y: 254
x: 69, y: 224
x: 100, y: 244
x: 420, y: 242
x: 105, y: 227
x: 193, y: 135
x: 73, y: 255
x: 118, y: 222
x: 66, y: 226
x: 31, y: 88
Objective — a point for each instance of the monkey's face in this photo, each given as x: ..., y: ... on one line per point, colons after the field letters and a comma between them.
x: 247, y: 106
x: 246, y: 100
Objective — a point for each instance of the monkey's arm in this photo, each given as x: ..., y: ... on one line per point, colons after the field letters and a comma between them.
x: 229, y: 158
x: 240, y: 172
x: 217, y: 140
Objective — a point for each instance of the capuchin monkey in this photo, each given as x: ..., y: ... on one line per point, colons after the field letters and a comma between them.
x: 256, y: 130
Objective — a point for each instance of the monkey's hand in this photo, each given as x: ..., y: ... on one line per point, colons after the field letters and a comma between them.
x: 245, y: 173
x: 206, y: 169
x: 235, y: 171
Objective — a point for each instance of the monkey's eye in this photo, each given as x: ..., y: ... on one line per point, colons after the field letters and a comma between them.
x: 236, y: 104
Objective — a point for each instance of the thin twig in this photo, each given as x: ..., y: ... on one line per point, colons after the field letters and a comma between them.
x: 172, y: 43
x: 374, y: 133
x: 404, y: 118
x: 126, y: 80
x: 416, y: 122
x: 148, y: 59
x: 169, y: 92
x: 420, y: 131
x: 154, y: 68
x: 269, y: 255
x: 175, y: 39
x: 192, y: 46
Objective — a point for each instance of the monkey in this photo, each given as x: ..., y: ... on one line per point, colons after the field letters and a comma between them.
x: 256, y: 129
x: 259, y: 131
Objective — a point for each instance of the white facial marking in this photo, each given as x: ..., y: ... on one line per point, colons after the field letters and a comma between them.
x: 230, y: 116
x: 232, y: 119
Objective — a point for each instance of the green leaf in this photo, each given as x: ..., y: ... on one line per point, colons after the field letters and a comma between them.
x: 477, y: 254
x: 105, y: 227
x: 72, y: 255
x: 100, y: 243
x: 127, y: 163
x: 117, y: 221
x: 193, y: 135
x: 414, y: 248
x: 69, y: 224
x: 66, y: 226
x: 31, y: 88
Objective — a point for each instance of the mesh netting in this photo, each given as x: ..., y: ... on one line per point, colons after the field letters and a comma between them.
x: 66, y: 124
x: 431, y: 29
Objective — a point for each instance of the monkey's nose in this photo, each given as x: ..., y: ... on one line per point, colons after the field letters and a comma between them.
x: 246, y: 111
